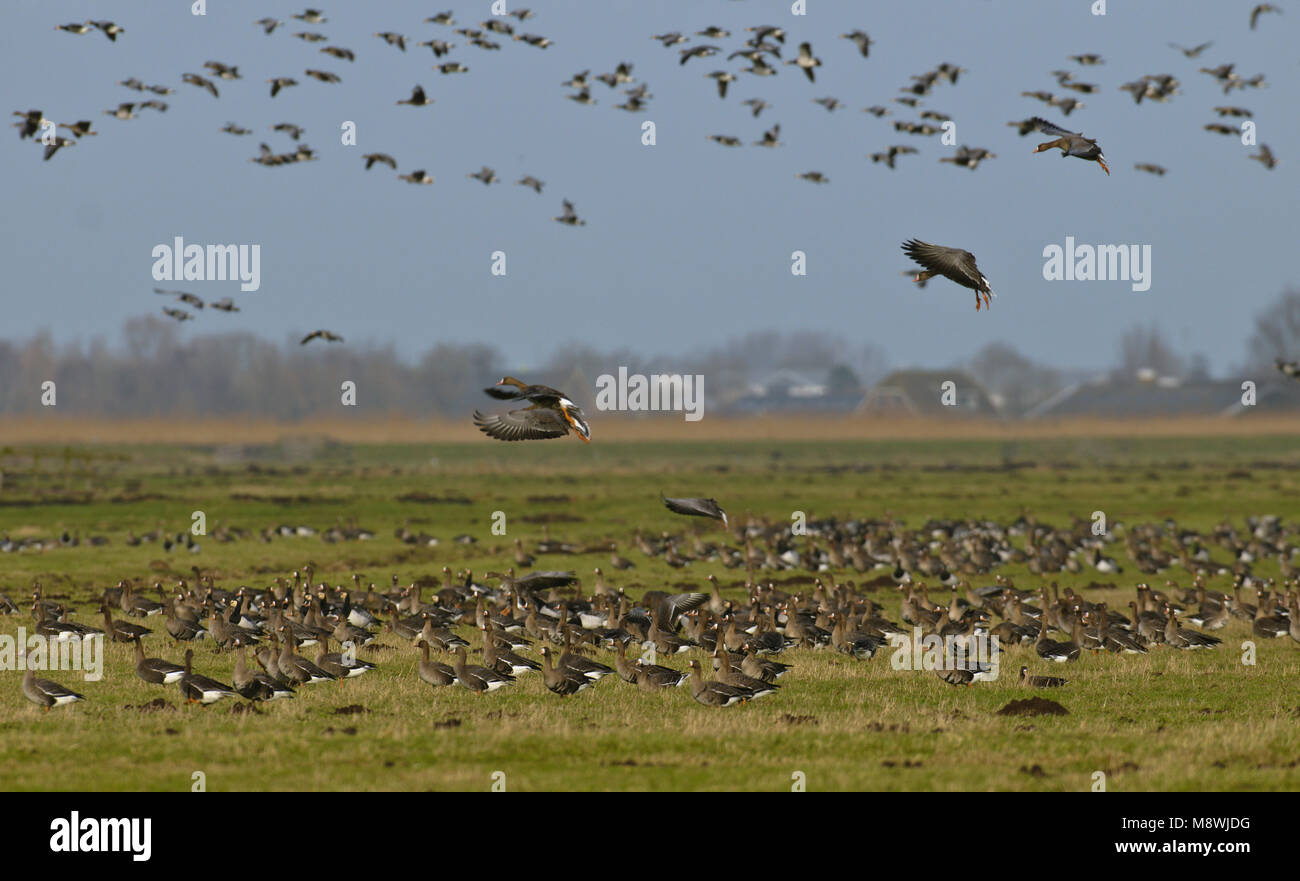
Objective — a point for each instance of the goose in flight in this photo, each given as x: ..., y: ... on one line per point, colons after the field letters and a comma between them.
x: 1265, y: 156
x: 418, y: 98
x: 281, y: 82
x: 806, y: 61
x: 569, y: 217
x: 696, y: 507
x: 951, y: 263
x: 698, y: 52
x: 419, y: 176
x: 195, y: 80
x: 325, y: 335
x: 550, y: 413
x: 859, y: 39
x: 1260, y: 10
x: 1194, y: 51
x: 372, y: 158
x: 1070, y: 143
x: 110, y: 29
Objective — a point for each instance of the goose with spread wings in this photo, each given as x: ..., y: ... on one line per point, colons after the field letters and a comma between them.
x: 696, y: 508
x: 1070, y: 143
x: 951, y: 263
x: 550, y: 413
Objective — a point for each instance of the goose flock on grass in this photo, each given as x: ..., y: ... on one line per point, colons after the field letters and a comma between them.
x: 827, y: 590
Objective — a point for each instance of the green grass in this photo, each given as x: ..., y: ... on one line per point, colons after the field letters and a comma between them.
x: 1170, y: 720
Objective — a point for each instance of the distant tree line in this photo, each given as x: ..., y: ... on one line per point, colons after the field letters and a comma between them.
x: 157, y: 373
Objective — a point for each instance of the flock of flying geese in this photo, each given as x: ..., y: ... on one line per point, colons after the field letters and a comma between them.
x: 762, y: 49
x: 543, y: 621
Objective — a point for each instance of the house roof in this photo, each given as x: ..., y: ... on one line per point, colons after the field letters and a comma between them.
x: 1135, y: 400
x: 921, y: 392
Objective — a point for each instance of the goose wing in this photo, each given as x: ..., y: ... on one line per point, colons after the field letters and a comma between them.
x: 527, y: 424
x: 954, y: 263
x: 696, y: 508
x: 1051, y: 128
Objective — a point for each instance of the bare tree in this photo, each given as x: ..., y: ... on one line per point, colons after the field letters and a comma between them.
x: 1145, y: 347
x: 1019, y: 381
x: 1277, y: 332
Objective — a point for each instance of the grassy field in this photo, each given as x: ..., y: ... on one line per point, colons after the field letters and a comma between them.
x: 1168, y: 720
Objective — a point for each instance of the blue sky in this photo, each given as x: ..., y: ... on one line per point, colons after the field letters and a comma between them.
x: 687, y: 243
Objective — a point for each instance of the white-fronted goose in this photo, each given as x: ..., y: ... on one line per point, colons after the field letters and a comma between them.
x: 550, y: 413
x: 121, y: 631
x: 1050, y: 650
x: 327, y: 336
x: 476, y: 678
x: 1070, y: 143
x: 728, y: 674
x: 1182, y: 638
x: 342, y: 666
x: 201, y: 689
x: 560, y: 681
x: 46, y: 692
x: 1260, y: 10
x: 952, y: 263
x: 697, y: 52
x: 311, y: 16
x: 696, y: 507
x: 268, y: 24
x: 419, y: 176
x: 202, y: 82
x: 297, y: 668
x: 806, y: 61
x: 109, y: 29
x: 436, y: 674
x: 860, y: 39
x: 1265, y: 157
x: 713, y: 694
x: 256, y: 685
x: 155, y: 670
x: 281, y: 82
x: 569, y: 217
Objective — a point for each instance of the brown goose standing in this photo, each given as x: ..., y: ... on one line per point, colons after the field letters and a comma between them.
x: 201, y: 689
x: 46, y: 692
x: 560, y: 681
x: 952, y: 263
x: 155, y: 670
x: 713, y: 694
